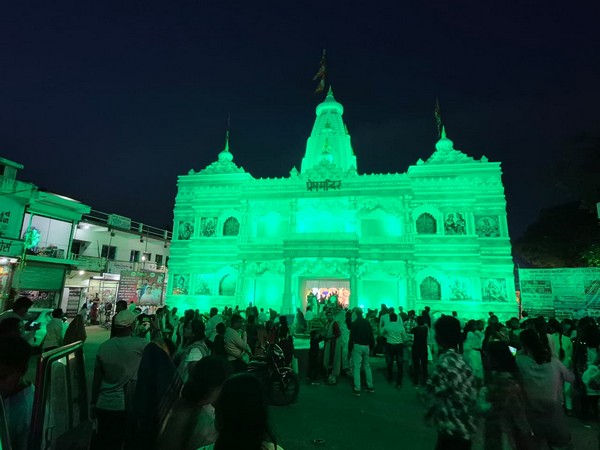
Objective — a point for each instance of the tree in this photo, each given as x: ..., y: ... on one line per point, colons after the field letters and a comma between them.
x: 592, y: 256
x: 579, y: 170
x: 563, y: 236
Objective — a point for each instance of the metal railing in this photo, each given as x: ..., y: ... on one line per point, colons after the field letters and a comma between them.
x: 136, y: 227
x: 101, y: 264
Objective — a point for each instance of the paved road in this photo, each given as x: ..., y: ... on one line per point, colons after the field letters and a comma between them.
x: 389, y: 418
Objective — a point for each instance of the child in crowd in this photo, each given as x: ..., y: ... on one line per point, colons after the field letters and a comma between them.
x: 315, y: 368
x: 219, y: 344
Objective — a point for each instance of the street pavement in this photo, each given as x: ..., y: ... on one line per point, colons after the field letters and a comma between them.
x: 388, y: 418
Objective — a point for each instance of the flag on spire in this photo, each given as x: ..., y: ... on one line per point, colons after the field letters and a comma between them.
x: 438, y: 117
x: 321, y: 74
x: 227, y: 132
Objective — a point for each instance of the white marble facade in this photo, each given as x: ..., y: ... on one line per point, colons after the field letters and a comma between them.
x: 434, y: 235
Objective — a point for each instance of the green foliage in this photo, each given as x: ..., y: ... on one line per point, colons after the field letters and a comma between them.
x: 562, y: 236
x: 579, y: 170
x: 592, y: 256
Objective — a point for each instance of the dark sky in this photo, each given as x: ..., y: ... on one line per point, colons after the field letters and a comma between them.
x: 107, y: 102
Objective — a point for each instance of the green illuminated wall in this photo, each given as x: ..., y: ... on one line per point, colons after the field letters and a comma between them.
x: 435, y: 235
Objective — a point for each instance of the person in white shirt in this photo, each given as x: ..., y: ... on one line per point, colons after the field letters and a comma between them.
x: 115, y: 377
x: 54, y: 331
x: 262, y: 316
x: 211, y: 326
x: 396, y: 337
x: 236, y: 345
x: 385, y: 318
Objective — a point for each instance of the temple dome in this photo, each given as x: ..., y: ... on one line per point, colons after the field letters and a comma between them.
x: 445, y: 153
x: 224, y: 163
x: 444, y: 143
x: 225, y: 155
x: 330, y: 104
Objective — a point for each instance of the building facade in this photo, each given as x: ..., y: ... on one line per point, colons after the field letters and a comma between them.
x: 36, y: 234
x: 111, y: 250
x: 434, y: 235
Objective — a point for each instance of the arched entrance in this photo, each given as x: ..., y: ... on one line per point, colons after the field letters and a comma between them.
x: 318, y: 292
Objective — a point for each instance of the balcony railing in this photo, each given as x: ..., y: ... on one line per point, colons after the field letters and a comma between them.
x: 129, y: 225
x: 100, y: 264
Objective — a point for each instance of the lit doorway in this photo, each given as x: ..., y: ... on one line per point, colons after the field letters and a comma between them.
x: 317, y: 293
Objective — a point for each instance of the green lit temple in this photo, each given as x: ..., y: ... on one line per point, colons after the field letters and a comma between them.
x: 435, y: 235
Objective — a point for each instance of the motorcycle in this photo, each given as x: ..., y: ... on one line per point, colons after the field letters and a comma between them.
x: 280, y: 382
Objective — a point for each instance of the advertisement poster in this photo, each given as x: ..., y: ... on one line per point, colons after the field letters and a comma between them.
x: 561, y: 292
x: 142, y: 287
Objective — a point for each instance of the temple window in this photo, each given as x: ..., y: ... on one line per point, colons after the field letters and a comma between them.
x: 227, y: 285
x: 231, y: 227
x: 430, y: 289
x: 426, y: 224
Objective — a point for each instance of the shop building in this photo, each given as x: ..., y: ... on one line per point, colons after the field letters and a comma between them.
x: 36, y: 235
x: 109, y: 246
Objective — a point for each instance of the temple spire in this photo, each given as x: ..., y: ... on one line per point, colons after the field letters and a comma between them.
x: 329, y: 146
x: 225, y: 154
x: 226, y: 149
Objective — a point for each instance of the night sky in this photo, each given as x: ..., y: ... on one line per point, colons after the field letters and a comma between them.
x: 108, y: 102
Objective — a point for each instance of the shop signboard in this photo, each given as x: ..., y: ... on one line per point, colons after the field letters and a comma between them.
x: 119, y: 266
x: 11, y: 217
x: 11, y: 247
x: 144, y: 287
x: 571, y: 292
x: 91, y: 263
x: 114, y: 220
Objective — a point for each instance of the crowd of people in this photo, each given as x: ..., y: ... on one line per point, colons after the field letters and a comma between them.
x: 170, y: 381
x: 177, y: 379
x: 518, y: 380
x: 159, y: 381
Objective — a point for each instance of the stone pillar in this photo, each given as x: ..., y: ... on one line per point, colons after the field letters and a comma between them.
x: 239, y: 287
x: 353, y: 269
x: 409, y: 228
x: 503, y: 225
x: 293, y: 215
x: 243, y: 234
x: 470, y: 219
x: 287, y: 306
x: 411, y: 286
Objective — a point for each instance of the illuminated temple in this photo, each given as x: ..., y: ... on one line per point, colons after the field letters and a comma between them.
x: 434, y: 235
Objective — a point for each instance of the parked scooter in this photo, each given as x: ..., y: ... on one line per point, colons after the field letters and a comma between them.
x: 279, y: 380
